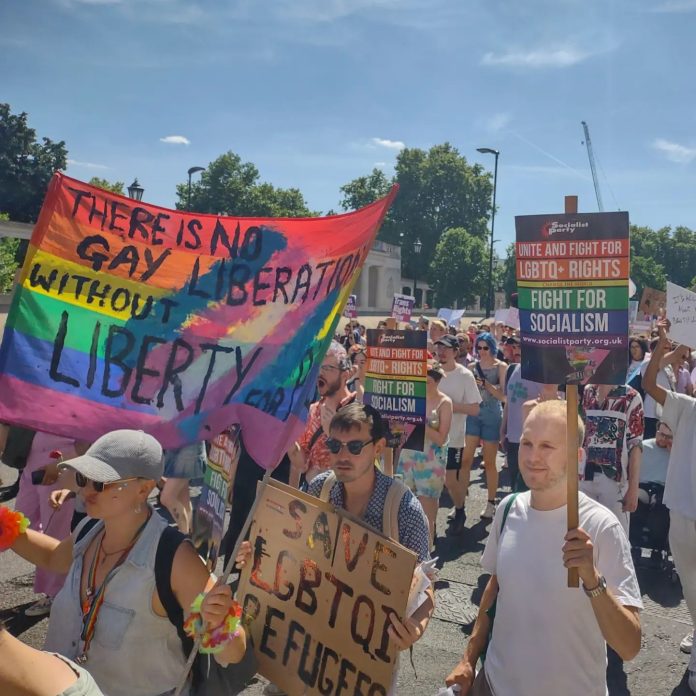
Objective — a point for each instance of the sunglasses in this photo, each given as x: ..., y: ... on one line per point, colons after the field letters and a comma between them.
x: 81, y: 480
x: 486, y: 348
x: 353, y: 446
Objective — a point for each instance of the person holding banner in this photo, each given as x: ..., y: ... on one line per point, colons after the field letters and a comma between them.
x: 565, y: 630
x: 484, y: 427
x: 424, y: 472
x: 110, y: 614
x: 358, y: 359
x: 679, y: 414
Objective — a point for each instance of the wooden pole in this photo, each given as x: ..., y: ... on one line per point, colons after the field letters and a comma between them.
x: 571, y: 206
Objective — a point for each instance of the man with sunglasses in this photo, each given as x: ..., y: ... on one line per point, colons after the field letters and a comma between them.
x: 356, y: 441
x: 309, y: 455
x: 679, y: 413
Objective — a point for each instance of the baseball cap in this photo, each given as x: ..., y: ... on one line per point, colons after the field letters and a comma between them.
x: 448, y: 341
x: 121, y: 454
x: 512, y: 341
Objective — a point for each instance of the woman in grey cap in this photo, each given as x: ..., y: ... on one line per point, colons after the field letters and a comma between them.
x: 109, y: 616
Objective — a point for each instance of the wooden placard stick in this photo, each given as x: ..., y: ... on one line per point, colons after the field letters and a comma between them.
x: 571, y: 206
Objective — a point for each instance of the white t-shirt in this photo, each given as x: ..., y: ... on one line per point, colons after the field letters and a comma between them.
x: 665, y: 378
x: 460, y: 385
x: 546, y: 639
x: 518, y: 391
x: 679, y: 412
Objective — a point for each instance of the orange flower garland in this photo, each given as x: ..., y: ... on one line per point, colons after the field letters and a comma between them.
x: 12, y: 524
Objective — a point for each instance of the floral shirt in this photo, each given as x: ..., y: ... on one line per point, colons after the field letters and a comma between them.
x: 612, y: 428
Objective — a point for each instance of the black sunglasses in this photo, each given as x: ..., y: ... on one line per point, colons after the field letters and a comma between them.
x: 81, y: 480
x: 482, y: 348
x: 353, y: 446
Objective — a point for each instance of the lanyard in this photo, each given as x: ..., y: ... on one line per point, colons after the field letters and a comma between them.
x: 95, y: 596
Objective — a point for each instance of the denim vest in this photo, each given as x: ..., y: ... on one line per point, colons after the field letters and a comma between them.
x: 134, y: 652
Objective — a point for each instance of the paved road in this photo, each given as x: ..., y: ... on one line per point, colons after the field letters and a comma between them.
x: 659, y: 670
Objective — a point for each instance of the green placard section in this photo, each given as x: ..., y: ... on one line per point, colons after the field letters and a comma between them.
x: 587, y: 298
x: 395, y: 387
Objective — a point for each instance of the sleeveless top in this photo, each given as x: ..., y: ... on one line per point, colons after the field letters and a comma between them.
x: 134, y: 652
x: 492, y: 375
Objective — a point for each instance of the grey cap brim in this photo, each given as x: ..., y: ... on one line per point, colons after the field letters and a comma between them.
x: 93, y: 468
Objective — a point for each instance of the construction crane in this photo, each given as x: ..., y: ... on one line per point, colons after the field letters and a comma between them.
x: 590, y: 156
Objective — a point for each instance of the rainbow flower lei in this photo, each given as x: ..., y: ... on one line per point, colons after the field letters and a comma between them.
x: 12, y: 524
x: 212, y: 641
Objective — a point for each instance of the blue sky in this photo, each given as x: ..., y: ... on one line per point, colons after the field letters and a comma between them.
x: 317, y: 92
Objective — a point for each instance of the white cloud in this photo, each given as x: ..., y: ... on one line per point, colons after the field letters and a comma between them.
x: 86, y: 165
x: 380, y: 165
x: 389, y: 144
x: 675, y: 6
x: 551, y: 58
x: 674, y: 151
x: 175, y: 140
x: 497, y: 122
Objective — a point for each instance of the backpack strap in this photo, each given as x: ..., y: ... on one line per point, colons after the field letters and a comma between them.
x: 508, y: 373
x: 390, y: 513
x: 326, y: 487
x: 168, y: 544
x: 506, y: 511
x: 316, y: 435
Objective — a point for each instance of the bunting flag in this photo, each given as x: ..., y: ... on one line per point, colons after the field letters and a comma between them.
x: 128, y: 315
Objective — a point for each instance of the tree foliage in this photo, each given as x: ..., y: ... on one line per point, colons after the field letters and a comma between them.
x: 459, y: 268
x: 26, y: 166
x: 231, y: 186
x: 438, y: 190
x: 8, y: 266
x: 114, y: 187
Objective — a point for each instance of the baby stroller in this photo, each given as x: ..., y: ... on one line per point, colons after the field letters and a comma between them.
x: 649, y: 528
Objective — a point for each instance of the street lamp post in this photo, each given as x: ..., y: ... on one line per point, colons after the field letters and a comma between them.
x: 491, y: 151
x: 192, y: 170
x: 135, y: 190
x: 417, y: 246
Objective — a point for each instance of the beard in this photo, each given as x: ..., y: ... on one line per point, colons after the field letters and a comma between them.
x: 327, y: 388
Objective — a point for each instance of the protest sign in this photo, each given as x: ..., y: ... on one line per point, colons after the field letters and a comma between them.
x: 128, y: 315
x: 681, y: 312
x: 632, y: 311
x: 209, y: 516
x: 572, y: 278
x: 451, y: 316
x: 402, y: 306
x: 396, y: 374
x: 651, y: 302
x: 317, y: 595
x: 351, y: 310
x: 641, y: 328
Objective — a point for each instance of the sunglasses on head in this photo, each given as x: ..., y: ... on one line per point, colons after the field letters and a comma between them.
x: 353, y: 446
x: 81, y: 480
x: 482, y: 348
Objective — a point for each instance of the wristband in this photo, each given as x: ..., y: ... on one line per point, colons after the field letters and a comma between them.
x: 12, y: 524
x: 213, y: 640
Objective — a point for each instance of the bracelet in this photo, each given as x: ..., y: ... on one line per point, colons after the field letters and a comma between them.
x: 213, y: 640
x: 12, y: 524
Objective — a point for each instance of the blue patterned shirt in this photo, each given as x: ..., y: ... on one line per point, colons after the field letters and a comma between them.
x: 413, y: 524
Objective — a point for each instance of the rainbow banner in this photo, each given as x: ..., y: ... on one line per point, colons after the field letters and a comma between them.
x: 179, y: 324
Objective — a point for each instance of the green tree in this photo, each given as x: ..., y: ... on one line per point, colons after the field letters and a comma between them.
x: 438, y: 190
x: 231, y: 186
x: 26, y: 166
x: 508, y: 279
x: 646, y: 273
x: 8, y: 266
x: 458, y: 270
x: 114, y: 187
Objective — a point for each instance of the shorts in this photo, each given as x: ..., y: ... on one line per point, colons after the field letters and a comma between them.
x: 454, y: 458
x: 188, y: 462
x: 486, y: 425
x: 424, y: 472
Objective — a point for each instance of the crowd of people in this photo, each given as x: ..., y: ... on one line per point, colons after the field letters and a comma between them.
x: 116, y: 617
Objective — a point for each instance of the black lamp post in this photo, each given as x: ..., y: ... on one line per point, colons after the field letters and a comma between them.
x: 417, y: 246
x: 491, y: 151
x: 192, y: 170
x: 135, y: 190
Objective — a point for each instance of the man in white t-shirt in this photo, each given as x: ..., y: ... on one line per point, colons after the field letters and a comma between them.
x: 679, y: 413
x: 548, y: 638
x: 460, y: 385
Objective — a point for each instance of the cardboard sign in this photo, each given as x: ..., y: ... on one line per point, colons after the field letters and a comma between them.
x: 317, y: 596
x: 651, y: 302
x: 572, y: 279
x: 451, y: 316
x: 402, y: 306
x: 681, y: 312
x: 209, y: 517
x: 129, y: 315
x: 397, y: 365
x: 351, y: 310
